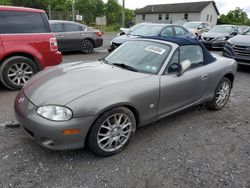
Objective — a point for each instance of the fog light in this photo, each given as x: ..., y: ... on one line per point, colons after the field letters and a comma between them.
x: 71, y: 131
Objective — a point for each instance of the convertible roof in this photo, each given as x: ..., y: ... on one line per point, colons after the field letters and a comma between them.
x: 181, y: 41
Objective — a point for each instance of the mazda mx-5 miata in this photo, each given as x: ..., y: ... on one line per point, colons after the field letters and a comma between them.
x: 100, y: 104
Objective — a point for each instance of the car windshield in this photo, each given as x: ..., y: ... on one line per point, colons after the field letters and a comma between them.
x: 247, y: 32
x: 147, y: 30
x: 142, y: 56
x: 222, y: 29
x: 192, y: 25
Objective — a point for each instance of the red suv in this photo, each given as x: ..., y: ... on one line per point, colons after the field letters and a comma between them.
x: 26, y: 45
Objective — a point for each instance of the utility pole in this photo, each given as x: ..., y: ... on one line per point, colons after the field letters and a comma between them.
x: 123, y: 13
x: 50, y: 12
x: 73, y: 10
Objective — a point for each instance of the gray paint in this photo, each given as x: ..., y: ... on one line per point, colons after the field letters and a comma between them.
x: 92, y: 88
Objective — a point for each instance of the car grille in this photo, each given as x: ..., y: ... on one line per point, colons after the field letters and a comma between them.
x: 242, y: 51
x: 208, y: 38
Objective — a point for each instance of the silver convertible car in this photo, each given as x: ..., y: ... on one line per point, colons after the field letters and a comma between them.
x: 100, y: 104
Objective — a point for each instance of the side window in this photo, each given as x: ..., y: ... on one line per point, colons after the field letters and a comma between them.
x: 57, y: 27
x: 168, y: 31
x: 173, y: 63
x: 70, y: 27
x: 193, y: 53
x: 179, y: 31
x: 21, y: 22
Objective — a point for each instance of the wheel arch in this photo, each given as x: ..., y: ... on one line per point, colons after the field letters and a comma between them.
x: 230, y: 76
x: 129, y: 106
x: 24, y: 54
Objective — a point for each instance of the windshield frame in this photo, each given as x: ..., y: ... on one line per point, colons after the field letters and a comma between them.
x: 164, y: 61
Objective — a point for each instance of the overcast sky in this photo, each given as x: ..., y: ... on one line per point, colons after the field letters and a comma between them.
x: 223, y: 5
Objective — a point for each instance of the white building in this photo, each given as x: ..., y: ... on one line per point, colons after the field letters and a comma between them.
x: 205, y: 11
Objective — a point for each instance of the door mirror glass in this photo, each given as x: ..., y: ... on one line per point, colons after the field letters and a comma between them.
x: 174, y: 68
x: 184, y: 66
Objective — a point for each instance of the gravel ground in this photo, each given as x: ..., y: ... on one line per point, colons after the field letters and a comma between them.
x: 195, y: 148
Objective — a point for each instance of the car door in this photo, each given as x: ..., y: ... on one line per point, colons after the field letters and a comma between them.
x: 58, y: 29
x: 180, y: 31
x: 1, y: 48
x: 178, y: 92
x: 73, y: 34
x: 168, y: 31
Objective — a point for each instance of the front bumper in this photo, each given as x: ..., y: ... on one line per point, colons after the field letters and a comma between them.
x: 214, y: 44
x: 49, y: 134
x: 228, y: 51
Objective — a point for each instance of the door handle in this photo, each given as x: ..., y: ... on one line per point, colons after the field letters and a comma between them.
x: 204, y: 76
x: 60, y: 36
x: 82, y: 34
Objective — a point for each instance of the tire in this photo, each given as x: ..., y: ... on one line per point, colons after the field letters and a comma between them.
x: 105, y: 139
x: 87, y: 46
x: 16, y: 71
x: 220, y: 91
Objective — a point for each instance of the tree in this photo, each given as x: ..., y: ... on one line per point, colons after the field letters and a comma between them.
x: 113, y: 12
x: 5, y: 2
x: 236, y: 17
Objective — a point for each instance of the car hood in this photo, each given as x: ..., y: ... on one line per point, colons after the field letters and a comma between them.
x: 243, y: 40
x: 214, y: 35
x: 64, y: 83
x: 123, y: 38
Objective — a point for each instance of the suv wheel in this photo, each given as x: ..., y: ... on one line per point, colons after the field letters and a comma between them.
x: 87, y: 46
x: 16, y: 71
x: 111, y: 132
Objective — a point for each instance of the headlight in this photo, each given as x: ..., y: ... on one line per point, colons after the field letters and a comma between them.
x: 55, y: 113
x: 229, y: 43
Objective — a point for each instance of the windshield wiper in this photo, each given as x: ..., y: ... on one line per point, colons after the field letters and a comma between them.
x: 103, y: 60
x: 122, y: 65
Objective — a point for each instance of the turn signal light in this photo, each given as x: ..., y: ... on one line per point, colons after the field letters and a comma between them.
x: 71, y: 131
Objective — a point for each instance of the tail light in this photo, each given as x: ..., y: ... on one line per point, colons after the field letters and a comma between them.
x: 99, y: 33
x: 53, y: 44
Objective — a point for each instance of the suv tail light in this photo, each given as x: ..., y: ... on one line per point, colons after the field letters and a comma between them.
x: 99, y: 33
x: 53, y: 44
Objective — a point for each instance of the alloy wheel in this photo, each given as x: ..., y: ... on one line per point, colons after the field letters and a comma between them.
x: 20, y: 73
x: 223, y: 94
x: 114, y: 132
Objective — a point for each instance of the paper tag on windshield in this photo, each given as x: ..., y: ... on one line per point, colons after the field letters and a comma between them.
x: 155, y: 49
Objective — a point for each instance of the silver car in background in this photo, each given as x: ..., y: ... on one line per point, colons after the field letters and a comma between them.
x: 197, y: 28
x: 101, y: 104
x: 72, y: 36
x: 148, y: 30
x: 238, y: 48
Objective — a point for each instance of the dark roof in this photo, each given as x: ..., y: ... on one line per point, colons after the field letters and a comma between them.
x: 176, y: 8
x: 181, y: 41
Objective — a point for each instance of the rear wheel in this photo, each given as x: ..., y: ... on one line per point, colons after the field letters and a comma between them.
x: 87, y: 46
x: 221, y: 96
x: 16, y: 71
x: 111, y: 132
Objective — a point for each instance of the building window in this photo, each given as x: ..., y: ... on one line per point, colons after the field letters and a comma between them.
x: 143, y: 17
x: 160, y: 16
x: 167, y: 16
x: 186, y: 16
x: 207, y: 17
x: 211, y: 17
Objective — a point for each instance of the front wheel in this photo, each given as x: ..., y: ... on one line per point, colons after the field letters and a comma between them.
x: 221, y: 96
x: 111, y: 132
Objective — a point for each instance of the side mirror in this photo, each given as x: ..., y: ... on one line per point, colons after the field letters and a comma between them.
x: 184, y: 66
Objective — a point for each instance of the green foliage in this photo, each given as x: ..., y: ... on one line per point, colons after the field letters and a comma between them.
x: 236, y: 17
x: 89, y: 8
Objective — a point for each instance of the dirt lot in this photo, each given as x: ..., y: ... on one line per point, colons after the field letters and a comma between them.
x: 196, y: 148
